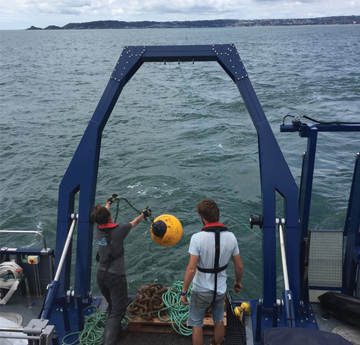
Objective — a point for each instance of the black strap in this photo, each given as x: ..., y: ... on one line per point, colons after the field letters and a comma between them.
x: 212, y: 270
x: 216, y: 268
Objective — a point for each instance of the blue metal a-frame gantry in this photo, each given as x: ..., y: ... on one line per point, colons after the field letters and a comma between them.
x: 276, y: 179
x: 81, y: 175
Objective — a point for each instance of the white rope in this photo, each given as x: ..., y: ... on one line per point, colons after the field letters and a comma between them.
x: 7, y: 282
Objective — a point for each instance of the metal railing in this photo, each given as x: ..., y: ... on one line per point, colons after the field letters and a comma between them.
x: 45, y: 248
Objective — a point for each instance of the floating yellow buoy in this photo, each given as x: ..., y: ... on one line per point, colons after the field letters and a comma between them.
x: 166, y: 230
x: 246, y: 307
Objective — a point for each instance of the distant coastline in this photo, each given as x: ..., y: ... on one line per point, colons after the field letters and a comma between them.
x: 115, y: 24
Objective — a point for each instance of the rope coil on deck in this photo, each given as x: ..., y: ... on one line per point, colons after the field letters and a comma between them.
x: 151, y: 301
x: 148, y: 301
x: 93, y: 331
x: 147, y: 305
x: 176, y: 312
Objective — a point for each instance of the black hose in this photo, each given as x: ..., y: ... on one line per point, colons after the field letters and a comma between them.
x: 322, y: 122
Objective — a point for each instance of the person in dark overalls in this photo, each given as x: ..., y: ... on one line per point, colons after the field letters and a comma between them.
x: 111, y: 277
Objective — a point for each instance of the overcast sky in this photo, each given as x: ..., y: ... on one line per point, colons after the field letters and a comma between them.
x: 21, y: 14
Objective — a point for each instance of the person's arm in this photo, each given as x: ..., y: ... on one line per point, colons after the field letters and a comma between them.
x: 112, y: 198
x: 137, y: 220
x: 239, y: 269
x: 189, y: 276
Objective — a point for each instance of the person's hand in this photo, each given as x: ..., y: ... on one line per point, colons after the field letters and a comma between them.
x: 146, y: 212
x: 112, y: 198
x: 184, y: 300
x: 237, y: 287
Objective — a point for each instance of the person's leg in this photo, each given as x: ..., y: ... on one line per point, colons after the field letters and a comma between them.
x: 100, y: 277
x: 118, y: 294
x: 197, y: 336
x: 199, y: 301
x: 219, y: 332
x: 118, y: 291
x: 111, y: 331
x: 217, y: 311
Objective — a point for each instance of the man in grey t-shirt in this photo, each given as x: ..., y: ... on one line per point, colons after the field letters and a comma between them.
x: 210, y: 251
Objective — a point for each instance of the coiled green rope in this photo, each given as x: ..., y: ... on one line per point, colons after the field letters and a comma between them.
x: 94, y: 324
x: 93, y: 331
x: 176, y: 312
x: 92, y: 334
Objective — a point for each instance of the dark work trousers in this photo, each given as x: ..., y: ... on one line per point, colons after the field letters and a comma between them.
x: 114, y: 288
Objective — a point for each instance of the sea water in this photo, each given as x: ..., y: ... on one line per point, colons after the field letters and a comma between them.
x: 179, y: 132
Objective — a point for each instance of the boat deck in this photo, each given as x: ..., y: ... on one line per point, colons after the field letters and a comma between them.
x: 21, y: 310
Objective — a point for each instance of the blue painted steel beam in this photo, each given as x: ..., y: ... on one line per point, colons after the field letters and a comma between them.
x: 288, y: 309
x: 304, y: 128
x: 352, y: 221
x: 304, y: 131
x: 351, y: 230
x: 276, y: 177
x: 183, y: 53
x: 306, y: 182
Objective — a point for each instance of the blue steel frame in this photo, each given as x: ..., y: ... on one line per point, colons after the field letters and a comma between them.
x: 352, y: 220
x: 81, y: 175
x: 352, y: 231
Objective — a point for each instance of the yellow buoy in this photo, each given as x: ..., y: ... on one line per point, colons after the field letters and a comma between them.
x: 246, y: 307
x: 166, y: 230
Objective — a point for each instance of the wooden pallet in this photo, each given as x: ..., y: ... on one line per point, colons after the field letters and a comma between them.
x: 138, y: 324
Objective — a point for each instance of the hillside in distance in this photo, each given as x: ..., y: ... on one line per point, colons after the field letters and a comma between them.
x: 115, y: 24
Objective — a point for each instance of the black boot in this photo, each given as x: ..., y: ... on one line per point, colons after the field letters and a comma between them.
x: 112, y: 331
x: 124, y: 326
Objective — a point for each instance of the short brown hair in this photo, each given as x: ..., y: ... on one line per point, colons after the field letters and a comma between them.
x: 100, y: 214
x: 209, y: 210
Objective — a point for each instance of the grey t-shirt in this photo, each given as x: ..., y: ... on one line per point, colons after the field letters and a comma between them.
x: 117, y: 233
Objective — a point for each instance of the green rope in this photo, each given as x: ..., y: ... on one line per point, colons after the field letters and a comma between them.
x: 213, y: 151
x: 176, y: 312
x: 93, y: 331
x: 75, y: 342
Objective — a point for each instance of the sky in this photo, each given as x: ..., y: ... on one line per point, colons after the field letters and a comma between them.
x: 21, y: 14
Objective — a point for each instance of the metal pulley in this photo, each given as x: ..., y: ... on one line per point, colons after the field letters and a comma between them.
x: 256, y: 221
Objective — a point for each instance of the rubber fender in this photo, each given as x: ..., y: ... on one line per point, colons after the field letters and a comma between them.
x: 341, y: 306
x: 171, y: 230
x: 300, y: 336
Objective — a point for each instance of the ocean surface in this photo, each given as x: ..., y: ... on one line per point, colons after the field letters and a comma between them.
x: 179, y: 133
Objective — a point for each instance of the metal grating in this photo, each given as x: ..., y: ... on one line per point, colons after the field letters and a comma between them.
x: 235, y: 331
x: 325, y: 258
